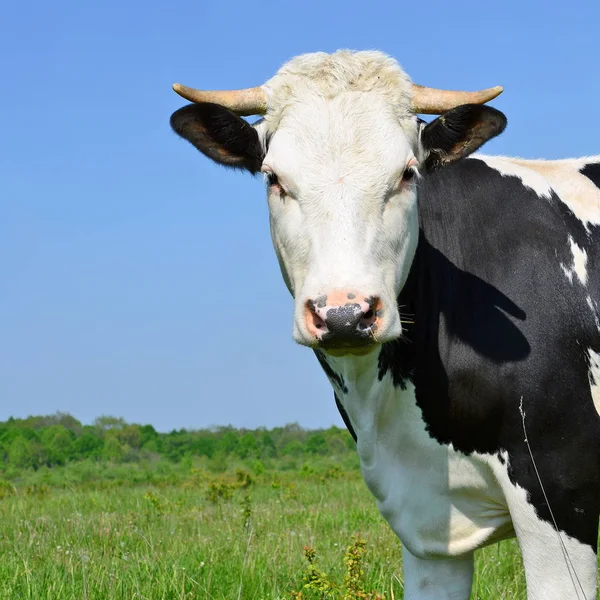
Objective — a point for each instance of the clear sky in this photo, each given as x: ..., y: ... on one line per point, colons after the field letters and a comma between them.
x: 137, y: 278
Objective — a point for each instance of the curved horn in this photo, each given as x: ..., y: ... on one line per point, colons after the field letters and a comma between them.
x: 251, y: 101
x: 431, y: 101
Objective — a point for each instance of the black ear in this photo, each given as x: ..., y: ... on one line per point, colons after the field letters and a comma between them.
x: 459, y: 132
x: 219, y: 134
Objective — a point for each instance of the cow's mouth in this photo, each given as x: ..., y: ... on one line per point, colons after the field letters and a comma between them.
x: 356, y: 344
x: 350, y: 350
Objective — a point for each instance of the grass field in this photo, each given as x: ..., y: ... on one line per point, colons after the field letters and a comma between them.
x: 185, y: 533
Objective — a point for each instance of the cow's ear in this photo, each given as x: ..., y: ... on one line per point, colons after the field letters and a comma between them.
x: 459, y: 132
x: 219, y: 134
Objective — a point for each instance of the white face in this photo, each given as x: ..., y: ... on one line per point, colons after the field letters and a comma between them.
x: 342, y: 200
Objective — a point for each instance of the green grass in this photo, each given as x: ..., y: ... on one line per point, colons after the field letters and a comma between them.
x: 195, y: 535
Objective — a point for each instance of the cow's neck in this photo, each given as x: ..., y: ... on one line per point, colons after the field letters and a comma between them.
x: 363, y: 397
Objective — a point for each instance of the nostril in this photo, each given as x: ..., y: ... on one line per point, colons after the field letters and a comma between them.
x: 317, y: 321
x: 370, y: 318
x: 367, y: 320
x: 316, y: 325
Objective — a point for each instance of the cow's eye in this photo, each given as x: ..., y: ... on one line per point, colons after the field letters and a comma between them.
x: 273, y: 182
x: 409, y: 174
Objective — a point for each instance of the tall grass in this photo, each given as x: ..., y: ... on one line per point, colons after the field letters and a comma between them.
x: 185, y: 533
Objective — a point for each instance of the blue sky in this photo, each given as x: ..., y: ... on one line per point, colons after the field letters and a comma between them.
x: 134, y: 273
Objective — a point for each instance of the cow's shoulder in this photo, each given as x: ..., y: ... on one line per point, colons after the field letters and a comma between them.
x: 575, y: 181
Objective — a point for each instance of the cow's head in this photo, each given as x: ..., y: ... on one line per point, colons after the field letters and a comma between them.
x: 342, y: 152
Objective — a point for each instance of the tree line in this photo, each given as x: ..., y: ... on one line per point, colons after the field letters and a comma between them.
x: 59, y: 439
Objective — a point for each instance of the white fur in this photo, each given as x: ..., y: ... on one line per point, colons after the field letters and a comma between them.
x: 594, y: 377
x: 579, y: 261
x: 594, y: 308
x: 326, y: 76
x: 579, y: 266
x: 439, y: 579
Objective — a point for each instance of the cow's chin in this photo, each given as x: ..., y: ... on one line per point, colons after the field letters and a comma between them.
x: 360, y: 348
x: 351, y: 350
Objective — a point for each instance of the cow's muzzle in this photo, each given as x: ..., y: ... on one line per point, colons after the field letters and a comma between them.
x: 343, y: 320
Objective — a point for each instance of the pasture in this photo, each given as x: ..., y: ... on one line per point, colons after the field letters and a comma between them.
x: 161, y: 530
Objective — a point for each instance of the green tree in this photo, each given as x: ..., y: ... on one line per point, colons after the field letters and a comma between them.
x: 113, y: 450
x: 22, y: 453
x: 316, y: 444
x: 106, y: 423
x: 129, y: 435
x: 88, y: 445
x: 293, y: 448
x: 267, y: 444
x: 58, y: 444
x: 147, y: 434
x: 205, y: 445
x: 228, y: 442
x: 247, y: 446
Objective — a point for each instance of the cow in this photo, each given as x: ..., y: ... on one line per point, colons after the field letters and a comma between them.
x: 450, y: 297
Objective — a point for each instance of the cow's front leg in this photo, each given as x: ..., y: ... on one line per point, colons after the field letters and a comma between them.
x: 437, y: 578
x: 557, y: 566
